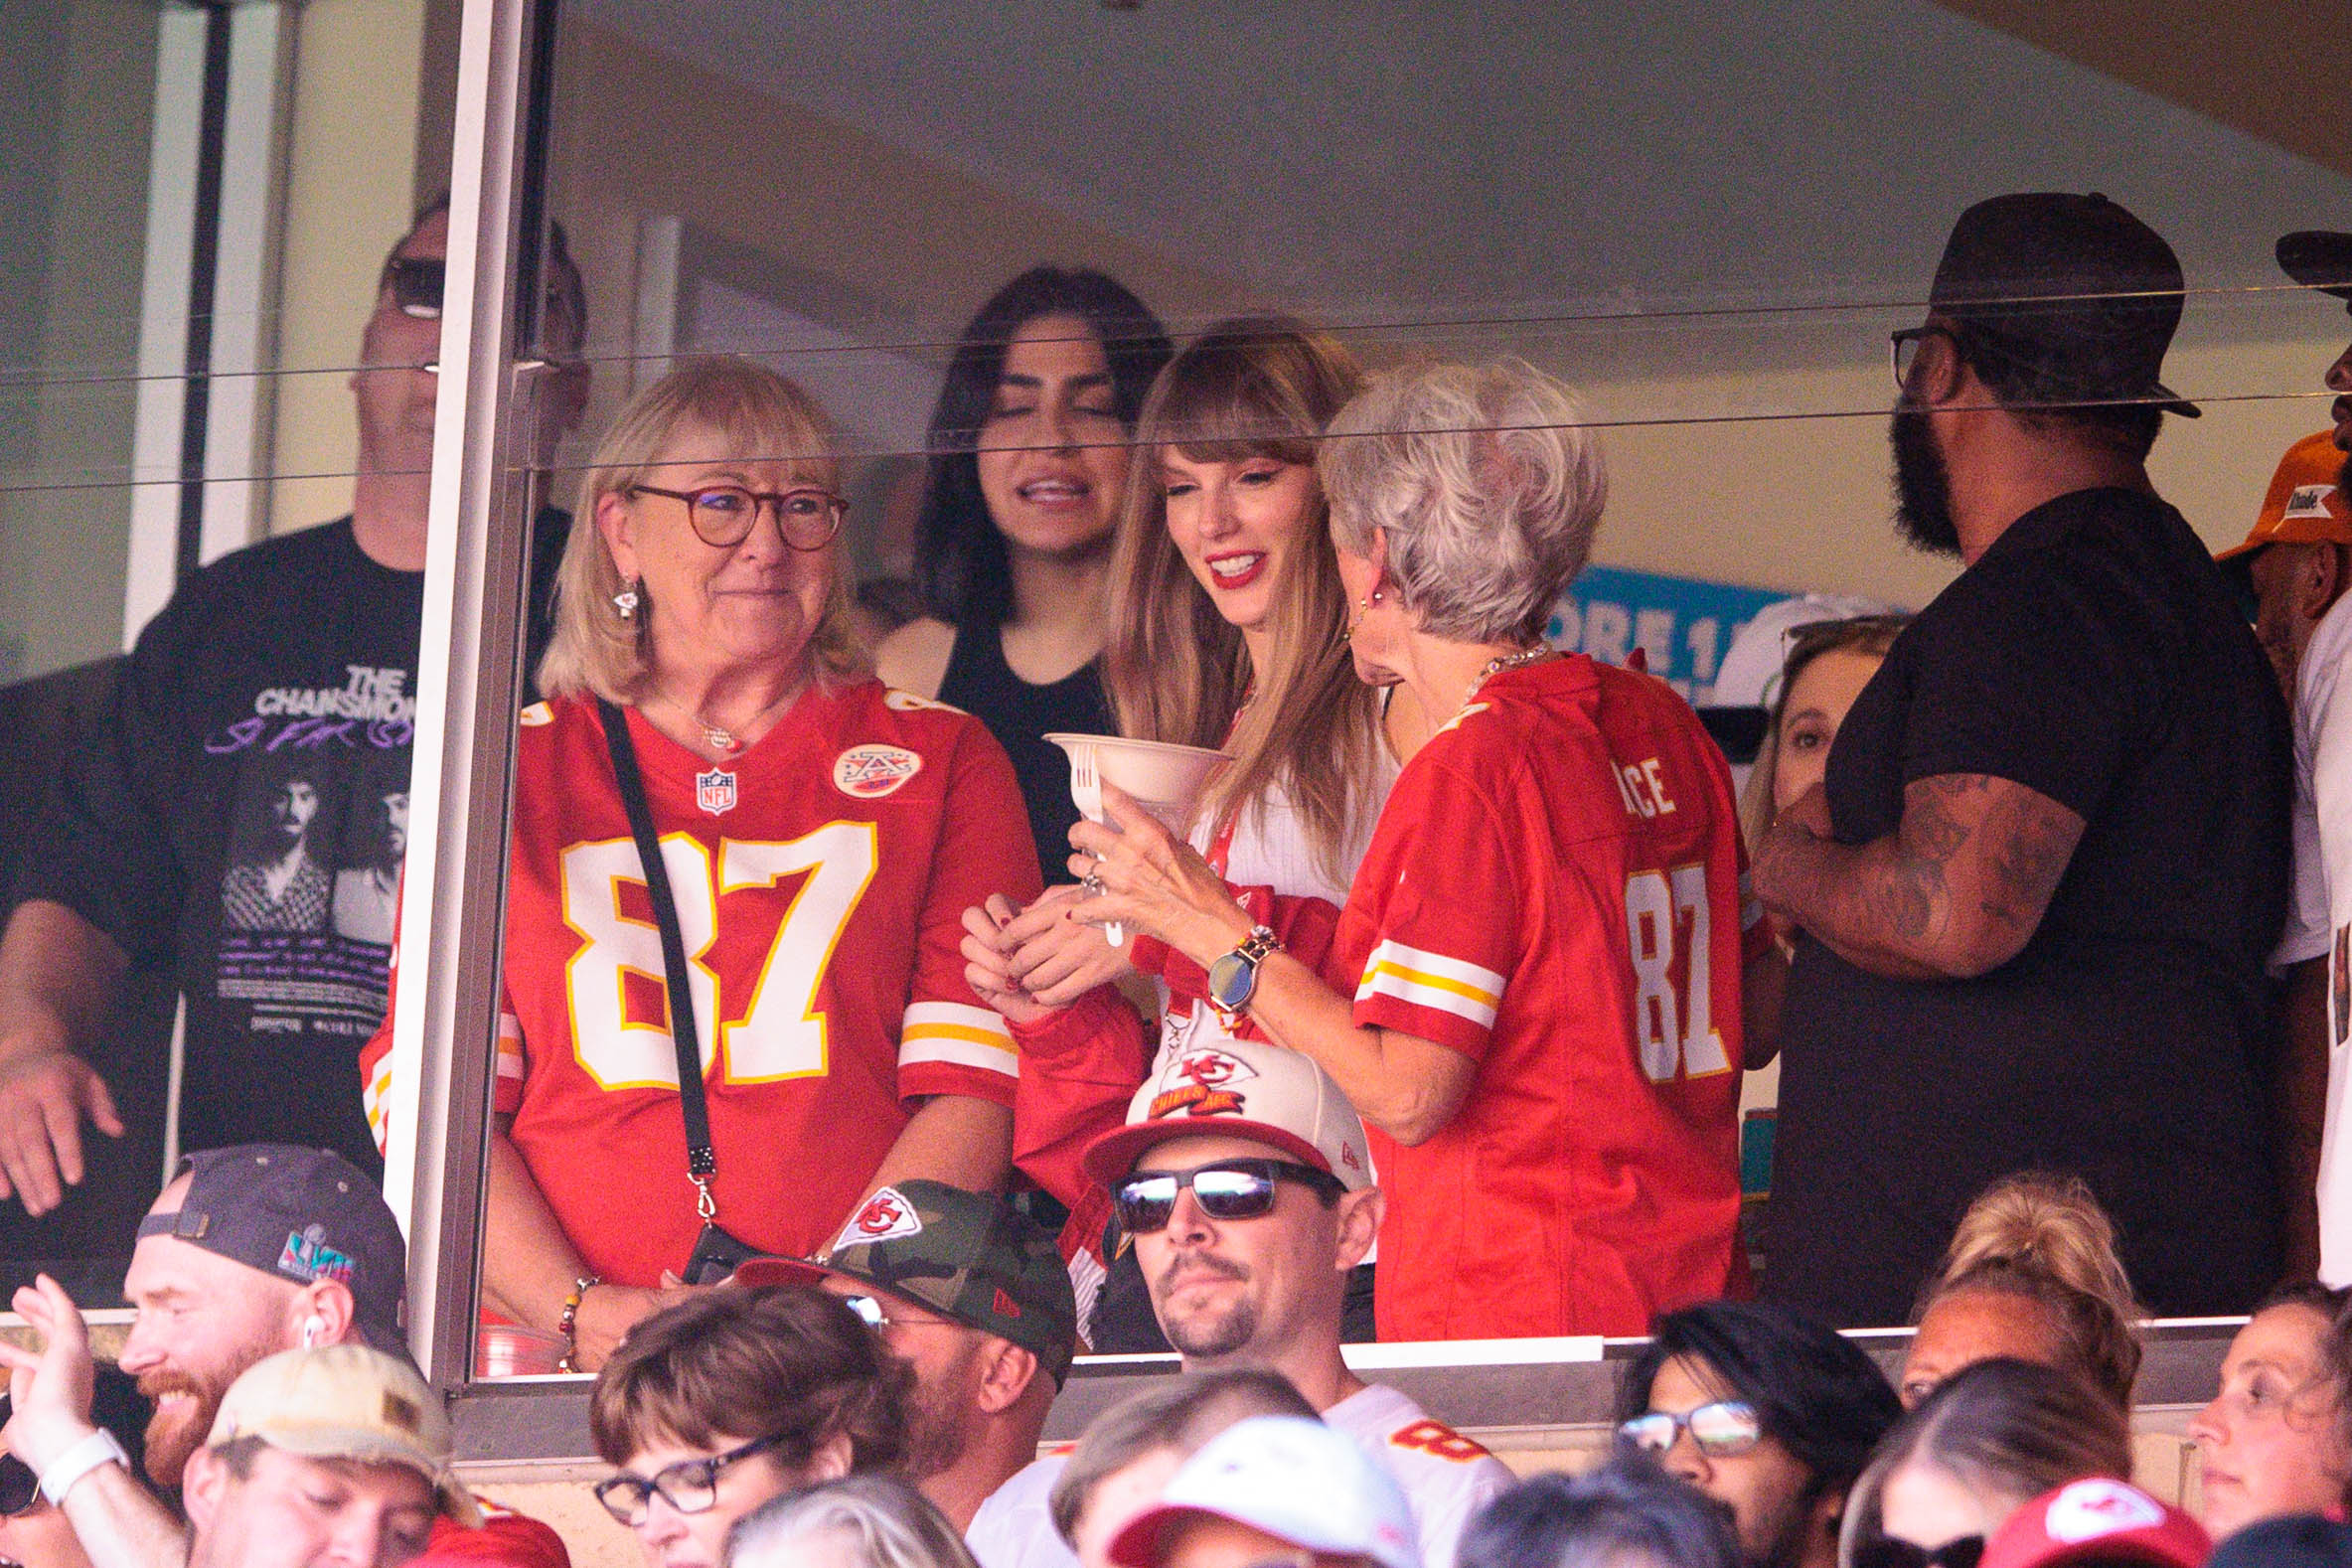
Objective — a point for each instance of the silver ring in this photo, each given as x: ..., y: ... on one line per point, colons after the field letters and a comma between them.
x: 1094, y: 884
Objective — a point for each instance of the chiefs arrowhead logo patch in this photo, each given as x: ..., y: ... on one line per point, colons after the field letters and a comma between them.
x: 886, y: 1217
x: 2089, y: 1510
x: 1201, y: 1083
x: 871, y: 772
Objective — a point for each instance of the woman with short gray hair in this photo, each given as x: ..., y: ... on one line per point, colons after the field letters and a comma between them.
x: 1535, y: 991
x: 859, y: 1521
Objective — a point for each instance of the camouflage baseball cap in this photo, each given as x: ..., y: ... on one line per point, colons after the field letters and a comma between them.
x: 969, y: 1256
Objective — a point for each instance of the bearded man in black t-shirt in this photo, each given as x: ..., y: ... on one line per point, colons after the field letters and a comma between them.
x: 233, y: 819
x: 2040, y: 878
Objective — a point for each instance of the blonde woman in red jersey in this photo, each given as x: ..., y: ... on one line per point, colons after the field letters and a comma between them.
x: 1539, y: 970
x: 822, y: 836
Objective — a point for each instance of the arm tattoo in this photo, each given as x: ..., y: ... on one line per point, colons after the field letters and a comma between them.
x: 2029, y: 840
x: 1957, y: 888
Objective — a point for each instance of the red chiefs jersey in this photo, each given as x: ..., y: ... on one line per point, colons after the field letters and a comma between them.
x: 1556, y: 890
x: 820, y: 879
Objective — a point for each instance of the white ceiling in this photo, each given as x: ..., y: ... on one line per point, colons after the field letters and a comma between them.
x: 1369, y: 160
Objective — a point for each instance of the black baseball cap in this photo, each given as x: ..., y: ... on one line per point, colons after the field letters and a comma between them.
x: 298, y: 1214
x: 2074, y: 286
x: 2318, y: 259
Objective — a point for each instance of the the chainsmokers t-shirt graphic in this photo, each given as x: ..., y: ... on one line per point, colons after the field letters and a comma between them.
x: 319, y: 822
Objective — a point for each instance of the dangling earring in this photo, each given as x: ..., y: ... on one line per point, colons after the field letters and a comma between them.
x: 624, y: 603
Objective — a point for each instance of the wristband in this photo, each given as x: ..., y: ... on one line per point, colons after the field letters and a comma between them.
x: 567, y: 1323
x: 98, y: 1448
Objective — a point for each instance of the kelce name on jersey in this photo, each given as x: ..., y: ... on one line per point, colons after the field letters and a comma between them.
x: 1643, y: 791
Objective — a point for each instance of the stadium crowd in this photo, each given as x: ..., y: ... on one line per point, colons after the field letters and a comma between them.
x: 1421, y: 1014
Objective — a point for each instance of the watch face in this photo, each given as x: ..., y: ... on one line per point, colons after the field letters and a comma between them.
x: 1231, y: 979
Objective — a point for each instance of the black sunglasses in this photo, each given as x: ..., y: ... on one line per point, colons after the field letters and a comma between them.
x: 1224, y: 1190
x: 1886, y: 1551
x: 415, y: 283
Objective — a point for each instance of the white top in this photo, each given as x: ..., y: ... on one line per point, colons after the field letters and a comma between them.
x: 1270, y: 848
x: 2320, y: 907
x: 1445, y: 1475
x: 1015, y: 1526
x: 2308, y: 924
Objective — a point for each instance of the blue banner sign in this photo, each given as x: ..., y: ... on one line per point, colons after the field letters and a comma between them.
x: 1683, y: 625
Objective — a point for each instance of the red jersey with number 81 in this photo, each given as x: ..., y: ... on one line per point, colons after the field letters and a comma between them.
x: 821, y: 878
x: 1556, y: 890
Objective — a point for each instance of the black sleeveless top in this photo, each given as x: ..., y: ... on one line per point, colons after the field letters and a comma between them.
x: 982, y: 684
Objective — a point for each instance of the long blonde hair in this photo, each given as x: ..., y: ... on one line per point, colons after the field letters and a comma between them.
x: 760, y: 414
x: 2044, y: 1238
x: 1252, y: 387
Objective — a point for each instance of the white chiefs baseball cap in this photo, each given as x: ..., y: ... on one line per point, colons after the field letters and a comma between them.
x: 1296, y: 1479
x: 1239, y: 1089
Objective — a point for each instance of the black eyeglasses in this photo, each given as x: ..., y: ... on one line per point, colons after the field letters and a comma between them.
x: 1903, y: 349
x: 1721, y: 1429
x: 1886, y: 1551
x: 689, y: 1485
x: 1225, y: 1189
x: 723, y: 514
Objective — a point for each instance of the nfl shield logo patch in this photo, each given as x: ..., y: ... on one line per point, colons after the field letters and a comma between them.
x: 714, y: 791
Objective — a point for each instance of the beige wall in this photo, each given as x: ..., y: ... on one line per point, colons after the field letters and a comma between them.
x: 1803, y: 502
x: 350, y: 190
x: 64, y: 540
x: 558, y: 1494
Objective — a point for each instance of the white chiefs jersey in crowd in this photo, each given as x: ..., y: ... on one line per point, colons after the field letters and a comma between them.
x: 2319, y: 911
x: 1445, y: 1475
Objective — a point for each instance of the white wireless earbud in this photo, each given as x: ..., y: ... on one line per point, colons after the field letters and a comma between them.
x: 312, y: 1328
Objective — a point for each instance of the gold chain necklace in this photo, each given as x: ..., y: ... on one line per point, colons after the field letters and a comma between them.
x: 1496, y: 665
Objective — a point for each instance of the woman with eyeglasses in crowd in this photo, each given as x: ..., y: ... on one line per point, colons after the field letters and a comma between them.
x: 2277, y: 1438
x: 1029, y: 469
x: 1766, y: 1411
x: 725, y: 1401
x: 821, y: 838
x: 1227, y: 631
x: 1535, y: 991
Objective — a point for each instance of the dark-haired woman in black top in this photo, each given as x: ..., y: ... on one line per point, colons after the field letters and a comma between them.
x: 1028, y: 462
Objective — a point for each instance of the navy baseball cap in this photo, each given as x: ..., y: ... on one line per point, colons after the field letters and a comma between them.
x: 2072, y: 285
x: 298, y: 1214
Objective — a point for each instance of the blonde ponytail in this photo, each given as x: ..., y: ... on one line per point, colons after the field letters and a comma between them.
x: 2044, y: 1237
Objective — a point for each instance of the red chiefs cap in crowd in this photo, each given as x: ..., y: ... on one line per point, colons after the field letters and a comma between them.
x: 2096, y: 1521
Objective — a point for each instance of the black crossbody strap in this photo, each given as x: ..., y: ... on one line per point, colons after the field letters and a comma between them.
x: 701, y: 1159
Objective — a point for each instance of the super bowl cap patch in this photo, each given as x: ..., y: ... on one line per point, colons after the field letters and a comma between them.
x: 300, y: 1215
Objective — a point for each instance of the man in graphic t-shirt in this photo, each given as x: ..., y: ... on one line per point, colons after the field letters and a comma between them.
x: 236, y: 816
x: 1243, y: 1178
x: 2049, y: 859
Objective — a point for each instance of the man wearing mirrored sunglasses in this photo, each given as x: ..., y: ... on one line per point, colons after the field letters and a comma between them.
x: 1768, y: 1412
x: 302, y: 645
x: 971, y: 1294
x: 1242, y: 1179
